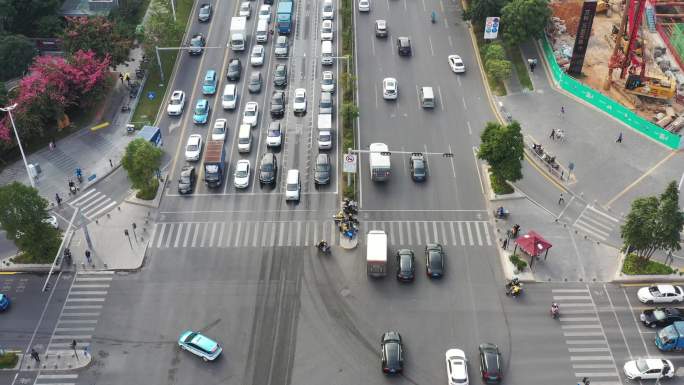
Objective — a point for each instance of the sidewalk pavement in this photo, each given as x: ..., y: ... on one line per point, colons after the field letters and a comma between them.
x: 97, y: 151
x: 603, y: 169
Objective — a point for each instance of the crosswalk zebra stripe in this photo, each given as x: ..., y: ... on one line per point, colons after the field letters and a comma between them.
x: 460, y: 233
x: 479, y: 236
x: 161, y: 234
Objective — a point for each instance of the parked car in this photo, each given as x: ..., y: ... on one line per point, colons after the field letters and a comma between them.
x: 392, y: 353
x: 199, y: 345
x: 649, y: 369
x: 176, y: 103
x: 234, y: 70
x: 268, y: 169
x: 406, y: 266
x: 186, y: 181
x: 201, y: 114
x: 204, y: 12
x: 661, y: 317
x: 661, y: 294
x: 490, y: 363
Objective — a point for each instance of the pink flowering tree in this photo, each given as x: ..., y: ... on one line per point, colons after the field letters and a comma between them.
x: 97, y: 34
x: 54, y: 85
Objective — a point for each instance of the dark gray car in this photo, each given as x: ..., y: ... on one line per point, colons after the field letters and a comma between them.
x: 254, y: 85
x: 186, y: 181
x: 278, y: 104
x: 281, y: 46
x: 280, y: 75
x: 204, y: 12
x: 234, y: 70
x: 322, y: 170
x: 268, y: 169
x: 325, y: 105
x: 197, y: 44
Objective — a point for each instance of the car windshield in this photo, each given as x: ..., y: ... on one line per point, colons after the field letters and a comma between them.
x: 292, y: 187
x: 219, y: 130
x: 250, y: 112
x: 327, y: 80
x: 654, y: 290
x: 176, y: 100
x: 324, y: 137
x: 241, y: 173
x: 209, y: 81
x: 492, y: 360
x: 419, y: 168
x: 659, y: 314
x: 196, y: 42
x: 192, y: 147
x: 266, y: 167
x: 185, y: 179
x: 299, y: 99
x: 228, y: 97
x: 281, y: 43
x: 274, y: 133
x: 327, y: 7
x: 642, y: 366
x: 321, y: 167
x: 280, y: 71
x: 200, y: 109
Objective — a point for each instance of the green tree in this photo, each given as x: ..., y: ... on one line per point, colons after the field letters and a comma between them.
x: 479, y: 10
x: 654, y: 223
x: 142, y: 160
x: 160, y: 29
x: 502, y: 148
x: 524, y: 19
x: 350, y: 112
x: 23, y: 16
x: 49, y: 26
x: 22, y: 214
x: 499, y: 70
x: 95, y: 34
x: 16, y: 55
x: 494, y: 51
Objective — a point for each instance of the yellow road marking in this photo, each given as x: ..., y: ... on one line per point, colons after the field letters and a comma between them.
x: 9, y: 272
x: 639, y: 179
x: 99, y: 126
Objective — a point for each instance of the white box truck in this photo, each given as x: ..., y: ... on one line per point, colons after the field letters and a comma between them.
x: 380, y: 165
x: 238, y: 33
x: 376, y: 253
x: 324, y: 131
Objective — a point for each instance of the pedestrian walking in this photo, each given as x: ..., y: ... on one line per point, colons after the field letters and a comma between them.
x: 562, y: 113
x: 34, y: 355
x: 87, y: 255
x: 58, y: 199
x: 127, y: 78
x: 509, y: 234
x: 110, y: 163
x: 121, y: 77
x: 561, y: 199
x: 553, y: 134
x: 619, y: 138
x: 505, y: 244
x: 51, y: 145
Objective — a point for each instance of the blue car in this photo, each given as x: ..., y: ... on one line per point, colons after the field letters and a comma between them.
x: 201, y: 114
x: 210, y: 83
x: 4, y: 302
x: 199, y: 345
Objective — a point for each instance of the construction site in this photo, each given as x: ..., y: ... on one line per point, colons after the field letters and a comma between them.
x: 634, y: 55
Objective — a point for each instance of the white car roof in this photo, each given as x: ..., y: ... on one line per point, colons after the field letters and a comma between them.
x: 220, y: 122
x: 194, y: 139
x: 177, y: 94
x: 264, y: 7
x: 666, y: 289
x: 327, y: 23
x: 242, y: 164
x: 251, y: 106
x: 258, y: 48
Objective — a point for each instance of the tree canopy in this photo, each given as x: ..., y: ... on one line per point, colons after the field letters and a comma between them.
x: 524, y: 19
x: 160, y: 29
x: 28, y: 17
x: 22, y: 215
x: 502, y: 148
x: 480, y: 10
x: 96, y: 34
x: 142, y: 160
x: 16, y: 54
x: 654, y: 223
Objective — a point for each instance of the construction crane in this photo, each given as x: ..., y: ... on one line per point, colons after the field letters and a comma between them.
x: 628, y: 57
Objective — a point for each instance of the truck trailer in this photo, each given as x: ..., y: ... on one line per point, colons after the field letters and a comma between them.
x: 380, y: 165
x: 214, y: 163
x: 376, y: 253
x: 238, y: 33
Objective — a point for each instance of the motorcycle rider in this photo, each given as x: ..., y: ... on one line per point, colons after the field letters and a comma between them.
x: 500, y: 212
x: 323, y: 246
x: 555, y: 310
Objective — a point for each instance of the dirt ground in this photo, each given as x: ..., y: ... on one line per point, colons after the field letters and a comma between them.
x: 600, y: 49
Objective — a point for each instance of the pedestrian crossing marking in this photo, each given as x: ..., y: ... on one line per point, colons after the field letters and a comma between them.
x: 307, y: 233
x: 92, y: 203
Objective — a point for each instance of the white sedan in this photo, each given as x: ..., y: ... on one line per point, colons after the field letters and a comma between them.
x: 327, y: 30
x: 176, y: 103
x: 364, y: 5
x: 456, y: 63
x: 661, y: 294
x: 219, y: 130
x: 194, y: 147
x: 390, y: 89
x: 457, y: 367
x: 241, y: 175
x: 299, y: 104
x: 257, y: 57
x: 245, y: 9
x: 251, y: 114
x: 649, y: 369
x: 265, y: 13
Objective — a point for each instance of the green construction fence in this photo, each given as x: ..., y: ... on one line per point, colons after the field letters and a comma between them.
x: 606, y: 104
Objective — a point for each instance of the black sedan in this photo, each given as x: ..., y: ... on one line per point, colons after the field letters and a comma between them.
x: 197, y: 44
x: 406, y: 267
x: 434, y: 260
x: 268, y: 169
x: 322, y: 170
x: 490, y: 363
x: 662, y: 316
x: 392, y: 353
x: 278, y: 104
x: 186, y: 182
x: 234, y: 70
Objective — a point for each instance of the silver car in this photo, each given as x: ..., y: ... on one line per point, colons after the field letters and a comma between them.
x: 281, y: 46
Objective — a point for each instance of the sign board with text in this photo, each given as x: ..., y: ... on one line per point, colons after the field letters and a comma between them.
x: 491, y: 30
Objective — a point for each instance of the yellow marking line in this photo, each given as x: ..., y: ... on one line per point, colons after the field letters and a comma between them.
x: 99, y: 126
x: 639, y: 179
x: 9, y: 272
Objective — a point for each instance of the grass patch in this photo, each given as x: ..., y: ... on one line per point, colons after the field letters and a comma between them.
x: 8, y: 360
x: 637, y: 266
x: 348, y: 84
x: 519, y: 66
x: 146, y: 110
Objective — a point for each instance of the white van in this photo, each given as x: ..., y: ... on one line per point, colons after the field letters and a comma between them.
x: 262, y: 31
x: 376, y: 253
x: 292, y: 186
x: 229, y: 98
x: 327, y: 53
x: 245, y: 138
x: 427, y: 97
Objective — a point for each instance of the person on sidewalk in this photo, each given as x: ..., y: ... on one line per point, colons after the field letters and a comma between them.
x: 121, y: 77
x: 127, y: 78
x: 505, y: 244
x: 553, y: 134
x: 561, y: 199
x: 562, y: 113
x: 619, y: 138
x: 35, y: 356
x: 87, y: 255
x: 58, y: 199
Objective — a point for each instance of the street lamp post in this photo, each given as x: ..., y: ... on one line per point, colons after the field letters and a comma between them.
x: 21, y: 149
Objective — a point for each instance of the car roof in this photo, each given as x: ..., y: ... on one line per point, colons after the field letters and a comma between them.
x: 327, y: 22
x: 274, y: 126
x: 327, y: 74
x: 251, y: 105
x: 268, y: 157
x: 653, y: 363
x: 666, y: 288
x: 281, y: 38
x: 177, y: 94
x: 258, y: 48
x: 203, y: 342
x: 220, y: 121
x: 255, y: 75
x: 202, y: 102
x: 194, y: 139
x: 323, y: 158
x: 187, y: 169
x: 381, y: 22
x: 242, y: 163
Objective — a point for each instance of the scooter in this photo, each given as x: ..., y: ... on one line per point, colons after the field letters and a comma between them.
x: 125, y: 108
x: 323, y: 248
x: 434, y: 17
x: 554, y: 312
